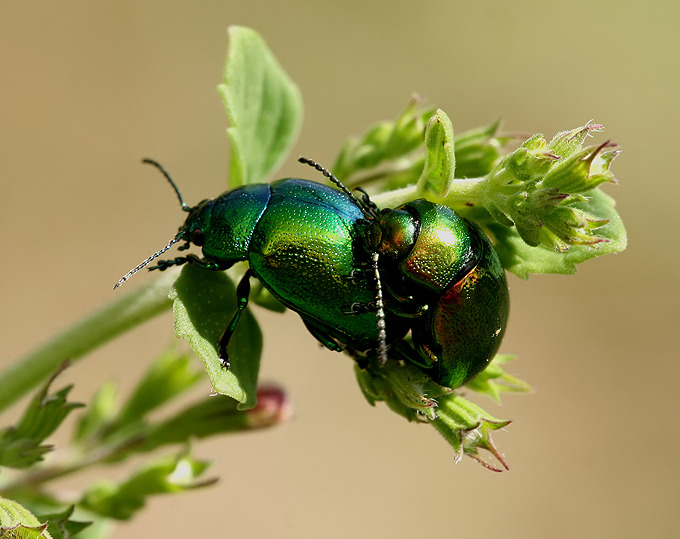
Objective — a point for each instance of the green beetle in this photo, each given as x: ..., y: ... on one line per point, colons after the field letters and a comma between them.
x: 416, y: 283
x: 445, y: 272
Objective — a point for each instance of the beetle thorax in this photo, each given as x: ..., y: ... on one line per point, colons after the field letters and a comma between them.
x: 394, y: 233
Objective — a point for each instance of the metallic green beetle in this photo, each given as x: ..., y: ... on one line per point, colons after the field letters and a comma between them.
x: 437, y: 264
x: 416, y: 283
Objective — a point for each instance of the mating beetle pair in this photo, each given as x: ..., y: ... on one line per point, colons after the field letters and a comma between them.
x: 416, y: 283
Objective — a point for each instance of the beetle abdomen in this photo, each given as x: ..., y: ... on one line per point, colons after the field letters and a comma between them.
x: 467, y: 324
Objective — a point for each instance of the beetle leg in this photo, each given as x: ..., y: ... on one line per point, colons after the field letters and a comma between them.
x: 403, y: 305
x: 359, y: 275
x: 162, y: 265
x: 360, y: 308
x: 205, y: 264
x: 242, y: 293
x: 409, y: 311
x: 421, y: 357
x: 427, y: 355
x: 322, y: 336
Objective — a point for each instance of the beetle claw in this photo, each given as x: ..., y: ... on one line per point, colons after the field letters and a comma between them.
x: 360, y: 308
x: 359, y: 275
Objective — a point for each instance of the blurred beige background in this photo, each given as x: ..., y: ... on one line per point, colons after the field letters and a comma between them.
x: 89, y: 88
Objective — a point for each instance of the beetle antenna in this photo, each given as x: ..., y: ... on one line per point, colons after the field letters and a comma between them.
x: 367, y: 209
x: 380, y: 306
x: 185, y: 206
x: 130, y: 273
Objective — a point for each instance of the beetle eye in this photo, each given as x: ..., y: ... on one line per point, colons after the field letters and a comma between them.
x: 197, y: 237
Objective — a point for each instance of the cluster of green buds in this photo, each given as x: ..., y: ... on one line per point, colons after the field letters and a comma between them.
x: 407, y: 391
x: 541, y: 187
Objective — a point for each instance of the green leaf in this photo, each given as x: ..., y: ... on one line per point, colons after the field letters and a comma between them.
x: 169, y: 376
x: 18, y: 522
x: 468, y: 428
x: 522, y: 259
x: 218, y: 415
x: 394, y: 153
x: 204, y: 303
x: 45, y: 413
x: 388, y: 146
x: 175, y: 473
x: 60, y: 525
x: 213, y: 415
x: 20, y: 446
x: 440, y: 158
x: 263, y: 105
x: 493, y: 380
x: 99, y: 414
x: 20, y: 452
x: 478, y: 151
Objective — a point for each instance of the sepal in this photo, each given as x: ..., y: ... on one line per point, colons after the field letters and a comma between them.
x: 539, y: 188
x: 493, y: 380
x: 468, y: 428
x: 403, y: 387
x: 409, y: 392
x: 21, y: 445
x: 386, y: 144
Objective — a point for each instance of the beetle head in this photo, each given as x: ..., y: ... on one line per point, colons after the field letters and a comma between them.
x: 392, y: 234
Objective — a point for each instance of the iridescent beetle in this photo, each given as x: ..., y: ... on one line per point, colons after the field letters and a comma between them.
x: 417, y: 283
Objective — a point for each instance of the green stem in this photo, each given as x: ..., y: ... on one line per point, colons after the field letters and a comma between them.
x: 462, y: 191
x: 74, y: 462
x: 122, y: 314
x: 396, y: 197
x: 466, y: 190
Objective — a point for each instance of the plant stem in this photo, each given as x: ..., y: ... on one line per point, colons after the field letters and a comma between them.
x: 465, y: 190
x: 75, y: 461
x: 462, y: 191
x: 122, y: 314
